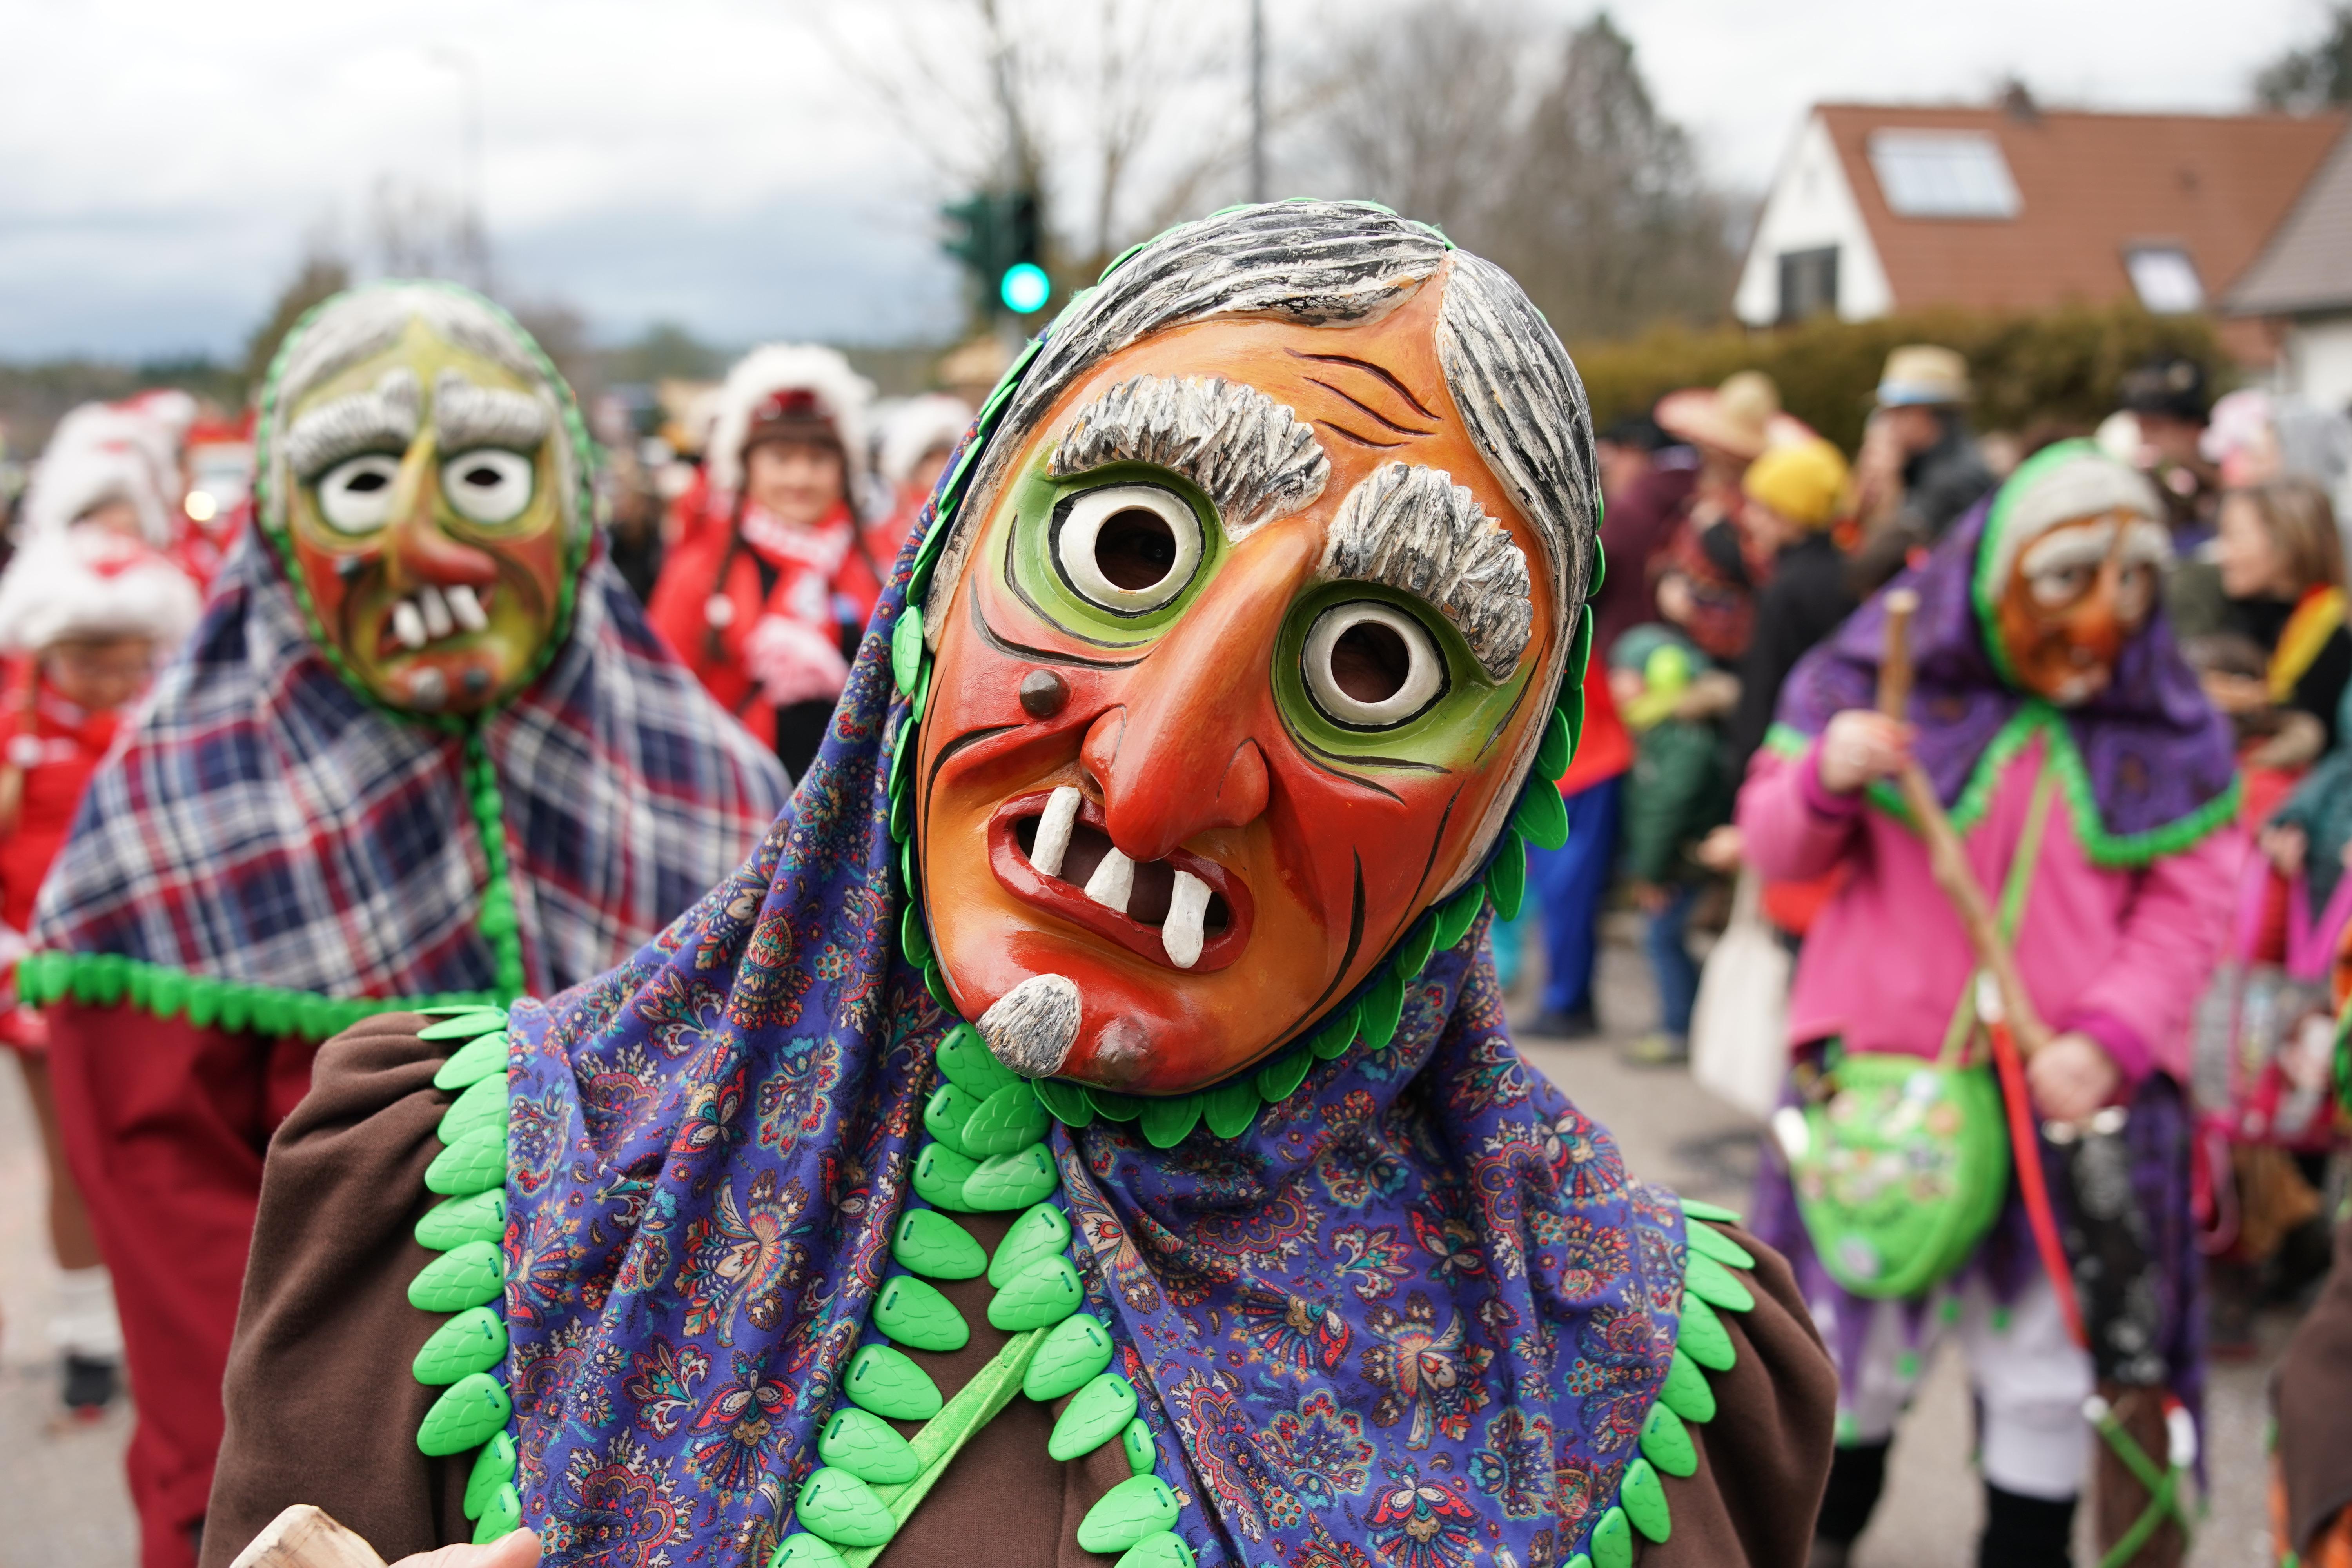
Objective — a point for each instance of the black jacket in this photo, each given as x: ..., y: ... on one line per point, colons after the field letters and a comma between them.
x: 1808, y: 596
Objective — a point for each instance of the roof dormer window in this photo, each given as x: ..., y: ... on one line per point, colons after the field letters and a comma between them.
x: 1943, y: 174
x: 2165, y: 279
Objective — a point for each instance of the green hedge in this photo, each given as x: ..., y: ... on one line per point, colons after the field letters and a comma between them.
x: 2061, y: 364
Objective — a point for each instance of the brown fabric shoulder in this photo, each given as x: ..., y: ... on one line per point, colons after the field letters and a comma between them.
x: 1765, y: 1457
x: 2311, y: 1393
x: 321, y: 1405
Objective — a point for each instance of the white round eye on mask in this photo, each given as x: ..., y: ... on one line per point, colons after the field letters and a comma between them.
x: 1370, y: 666
x: 489, y: 485
x: 1128, y: 549
x: 355, y: 495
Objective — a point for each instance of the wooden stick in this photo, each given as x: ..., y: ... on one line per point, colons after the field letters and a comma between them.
x: 306, y: 1537
x: 1947, y: 859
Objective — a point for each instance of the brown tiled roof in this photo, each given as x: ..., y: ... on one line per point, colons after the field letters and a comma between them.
x: 2307, y: 266
x: 2089, y: 185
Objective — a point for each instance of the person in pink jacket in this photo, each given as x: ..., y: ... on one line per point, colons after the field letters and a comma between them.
x: 2039, y: 649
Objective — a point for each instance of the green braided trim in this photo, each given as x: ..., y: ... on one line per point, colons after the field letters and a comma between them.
x: 107, y: 979
x: 581, y: 515
x: 466, y: 1357
x: 1709, y: 1286
x: 2035, y: 716
x: 498, y: 922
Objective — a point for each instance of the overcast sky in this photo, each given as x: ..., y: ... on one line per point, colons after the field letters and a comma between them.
x: 711, y: 163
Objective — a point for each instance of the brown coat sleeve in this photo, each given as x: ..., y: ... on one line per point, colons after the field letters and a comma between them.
x: 1765, y: 1457
x: 321, y: 1407
x: 2312, y: 1394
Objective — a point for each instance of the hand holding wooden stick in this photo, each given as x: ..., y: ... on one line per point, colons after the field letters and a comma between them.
x: 304, y: 1536
x: 1947, y: 859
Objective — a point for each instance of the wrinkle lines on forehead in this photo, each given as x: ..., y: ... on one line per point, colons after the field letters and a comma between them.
x: 1414, y: 529
x: 362, y: 422
x: 465, y: 413
x: 1256, y: 459
x: 1389, y: 422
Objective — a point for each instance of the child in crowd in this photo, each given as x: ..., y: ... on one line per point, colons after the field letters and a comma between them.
x: 1679, y: 790
x: 84, y: 614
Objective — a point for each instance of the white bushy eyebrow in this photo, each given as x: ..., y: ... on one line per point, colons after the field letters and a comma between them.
x: 466, y: 415
x: 2069, y: 549
x: 1256, y: 459
x: 384, y: 416
x: 1414, y: 529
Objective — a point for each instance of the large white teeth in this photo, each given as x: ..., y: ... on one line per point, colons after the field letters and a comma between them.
x: 1187, y: 905
x: 437, y: 621
x: 1054, y: 832
x: 1113, y: 881
x: 408, y: 624
x: 466, y: 607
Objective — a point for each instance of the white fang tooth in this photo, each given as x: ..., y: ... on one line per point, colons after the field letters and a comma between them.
x: 437, y: 623
x: 1180, y: 935
x: 466, y: 607
x: 1113, y: 881
x: 408, y: 624
x: 1054, y: 831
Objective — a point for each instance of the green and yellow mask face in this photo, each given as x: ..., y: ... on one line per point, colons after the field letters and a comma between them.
x: 425, y: 518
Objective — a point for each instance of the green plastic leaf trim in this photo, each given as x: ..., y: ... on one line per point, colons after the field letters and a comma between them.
x: 1716, y: 1211
x: 1229, y: 1109
x: 1543, y: 817
x: 1099, y: 1413
x: 1553, y: 752
x: 90, y: 977
x: 1279, y: 1078
x: 907, y: 647
x: 1507, y: 878
x: 1455, y: 919
x: 1337, y: 1033
x: 1066, y: 1102
x: 1167, y: 1122
x: 1380, y: 1009
x: 1042, y: 1232
x: 1706, y: 1238
x: 1410, y: 955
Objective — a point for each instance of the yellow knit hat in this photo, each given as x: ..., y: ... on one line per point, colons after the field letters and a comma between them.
x: 1805, y: 482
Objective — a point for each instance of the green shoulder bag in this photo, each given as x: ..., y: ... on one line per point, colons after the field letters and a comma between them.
x: 1901, y: 1165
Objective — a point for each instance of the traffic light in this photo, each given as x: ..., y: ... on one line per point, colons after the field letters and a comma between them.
x: 999, y: 237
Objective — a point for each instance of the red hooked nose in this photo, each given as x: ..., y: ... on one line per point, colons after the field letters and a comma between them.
x: 418, y: 550
x: 1181, y: 755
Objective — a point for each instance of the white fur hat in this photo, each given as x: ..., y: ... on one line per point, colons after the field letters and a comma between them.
x: 841, y: 394
x: 90, y: 580
x: 916, y: 426
x: 101, y: 451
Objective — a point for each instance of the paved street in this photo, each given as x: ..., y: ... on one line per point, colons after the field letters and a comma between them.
x: 62, y: 1500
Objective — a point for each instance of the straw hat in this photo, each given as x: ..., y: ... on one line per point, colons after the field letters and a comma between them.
x: 1804, y: 482
x: 1736, y: 418
x: 1921, y: 376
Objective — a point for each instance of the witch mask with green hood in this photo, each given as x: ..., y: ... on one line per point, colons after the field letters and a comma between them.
x: 1137, y: 897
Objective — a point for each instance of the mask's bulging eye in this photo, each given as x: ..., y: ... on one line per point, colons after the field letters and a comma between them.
x: 1129, y: 549
x: 491, y: 485
x: 355, y: 495
x: 1370, y: 666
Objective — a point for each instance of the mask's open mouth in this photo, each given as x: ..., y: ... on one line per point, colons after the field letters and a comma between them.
x: 430, y: 616
x: 1050, y: 850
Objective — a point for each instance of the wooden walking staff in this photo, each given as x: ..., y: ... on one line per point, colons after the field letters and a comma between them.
x: 2015, y: 1027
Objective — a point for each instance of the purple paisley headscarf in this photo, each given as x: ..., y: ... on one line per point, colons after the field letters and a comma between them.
x: 1416, y: 1314
x: 2156, y: 758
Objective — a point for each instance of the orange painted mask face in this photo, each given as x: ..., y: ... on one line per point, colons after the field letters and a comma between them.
x: 428, y: 521
x: 2078, y: 593
x: 1205, y: 754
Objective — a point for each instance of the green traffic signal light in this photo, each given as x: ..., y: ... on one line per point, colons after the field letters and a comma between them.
x: 1025, y: 287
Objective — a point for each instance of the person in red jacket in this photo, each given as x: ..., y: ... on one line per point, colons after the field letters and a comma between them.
x: 84, y: 614
x: 767, y: 589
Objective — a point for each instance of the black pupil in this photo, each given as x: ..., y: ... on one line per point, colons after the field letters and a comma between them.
x: 367, y: 482
x: 1370, y: 662
x: 484, y: 476
x: 1134, y: 549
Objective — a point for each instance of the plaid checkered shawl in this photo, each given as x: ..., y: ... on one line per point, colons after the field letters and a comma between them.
x: 267, y: 825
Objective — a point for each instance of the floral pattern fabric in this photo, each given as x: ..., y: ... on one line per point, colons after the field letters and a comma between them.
x: 1412, y: 1318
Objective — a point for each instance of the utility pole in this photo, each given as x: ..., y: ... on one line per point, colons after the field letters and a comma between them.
x: 1257, y: 101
